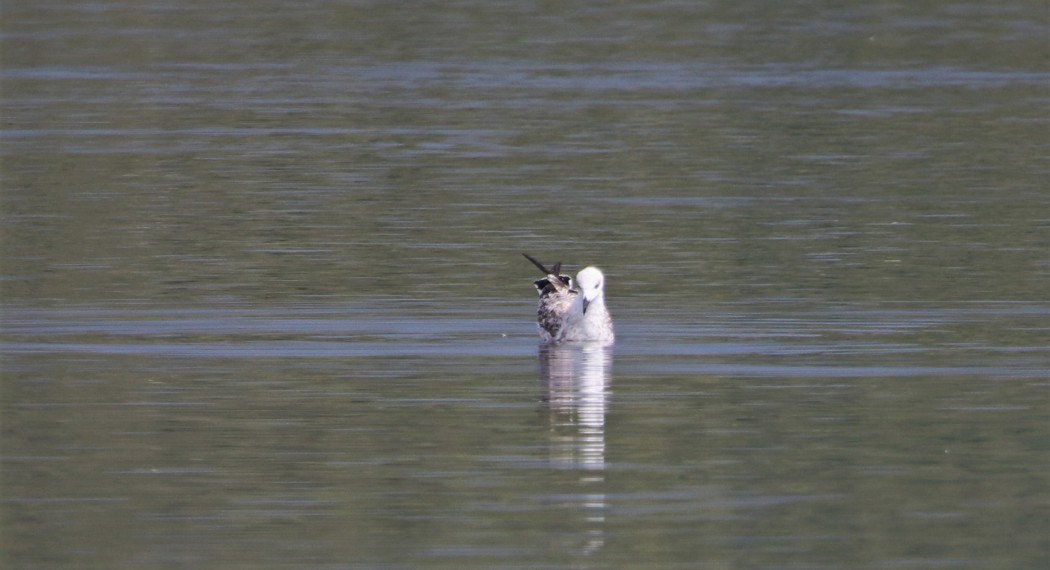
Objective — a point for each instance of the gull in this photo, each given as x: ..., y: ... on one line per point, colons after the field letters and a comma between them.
x: 568, y: 314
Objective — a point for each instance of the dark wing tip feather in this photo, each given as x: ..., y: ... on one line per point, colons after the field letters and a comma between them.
x: 547, y: 285
x: 552, y: 271
x: 536, y: 263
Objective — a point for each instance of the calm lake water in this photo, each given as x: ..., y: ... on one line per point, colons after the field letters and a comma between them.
x: 263, y: 304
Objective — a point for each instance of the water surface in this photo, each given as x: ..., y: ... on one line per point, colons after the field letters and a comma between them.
x: 264, y: 304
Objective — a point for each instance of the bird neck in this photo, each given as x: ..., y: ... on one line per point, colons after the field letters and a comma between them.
x: 595, y: 307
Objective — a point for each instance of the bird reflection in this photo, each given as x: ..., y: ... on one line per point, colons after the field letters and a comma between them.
x: 575, y: 379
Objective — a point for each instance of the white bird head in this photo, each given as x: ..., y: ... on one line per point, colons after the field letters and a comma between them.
x: 590, y: 282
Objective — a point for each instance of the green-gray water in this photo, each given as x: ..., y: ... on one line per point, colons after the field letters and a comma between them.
x: 264, y: 304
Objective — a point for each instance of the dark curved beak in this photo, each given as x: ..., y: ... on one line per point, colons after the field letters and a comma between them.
x: 585, y: 303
